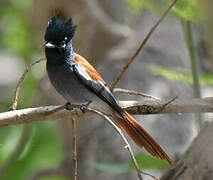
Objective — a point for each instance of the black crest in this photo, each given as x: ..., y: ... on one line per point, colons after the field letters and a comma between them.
x: 58, y: 30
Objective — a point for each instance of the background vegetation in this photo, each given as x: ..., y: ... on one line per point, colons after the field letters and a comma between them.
x: 25, y: 148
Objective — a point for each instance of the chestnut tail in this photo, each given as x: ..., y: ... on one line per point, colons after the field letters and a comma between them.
x: 140, y: 136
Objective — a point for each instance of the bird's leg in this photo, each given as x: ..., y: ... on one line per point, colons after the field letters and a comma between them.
x: 67, y: 106
x: 84, y: 106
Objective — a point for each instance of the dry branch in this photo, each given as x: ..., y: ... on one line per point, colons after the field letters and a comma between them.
x: 143, y: 43
x: 147, y: 106
x: 74, y: 150
x: 16, y: 94
x: 130, y: 92
x: 34, y: 114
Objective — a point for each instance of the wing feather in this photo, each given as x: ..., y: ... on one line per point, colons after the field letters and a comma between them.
x: 90, y: 78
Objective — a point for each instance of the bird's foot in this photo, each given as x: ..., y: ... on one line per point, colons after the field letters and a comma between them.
x: 85, y: 106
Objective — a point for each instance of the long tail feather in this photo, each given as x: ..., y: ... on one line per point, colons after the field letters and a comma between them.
x: 139, y: 135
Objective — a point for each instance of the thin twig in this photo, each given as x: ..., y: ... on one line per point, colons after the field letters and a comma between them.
x: 16, y: 94
x: 142, y: 45
x: 74, y: 142
x: 26, y: 131
x: 135, y: 93
x: 74, y: 150
x: 169, y: 102
x: 127, y: 146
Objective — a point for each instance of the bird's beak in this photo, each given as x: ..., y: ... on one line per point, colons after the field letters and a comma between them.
x: 49, y: 45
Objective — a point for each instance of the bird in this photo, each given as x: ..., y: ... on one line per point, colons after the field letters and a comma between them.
x: 78, y: 82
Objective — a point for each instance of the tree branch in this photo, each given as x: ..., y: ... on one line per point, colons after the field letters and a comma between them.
x: 143, y: 43
x: 130, y: 92
x: 149, y: 106
x: 74, y: 150
x: 146, y: 106
x: 16, y: 94
x: 127, y: 145
x: 35, y: 114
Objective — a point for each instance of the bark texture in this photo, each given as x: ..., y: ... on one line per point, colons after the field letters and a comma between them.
x: 197, y: 162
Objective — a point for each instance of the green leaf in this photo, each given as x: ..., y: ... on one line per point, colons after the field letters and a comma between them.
x: 44, y: 151
x: 10, y: 141
x: 205, y: 79
x: 150, y: 162
x: 17, y: 33
x: 144, y: 162
x: 171, y: 74
x: 134, y: 6
x: 184, y: 9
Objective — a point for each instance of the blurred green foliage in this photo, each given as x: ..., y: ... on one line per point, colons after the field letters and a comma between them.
x: 53, y: 178
x: 17, y: 36
x: 185, y: 9
x: 144, y: 162
x: 150, y: 162
x: 17, y: 32
x: 205, y: 79
x: 42, y: 148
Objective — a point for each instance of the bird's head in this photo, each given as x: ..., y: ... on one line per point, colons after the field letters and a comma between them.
x: 59, y: 34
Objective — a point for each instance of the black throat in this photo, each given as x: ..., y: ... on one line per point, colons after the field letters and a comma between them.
x: 59, y: 56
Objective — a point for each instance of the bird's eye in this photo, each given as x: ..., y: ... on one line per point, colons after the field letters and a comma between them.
x: 63, y: 44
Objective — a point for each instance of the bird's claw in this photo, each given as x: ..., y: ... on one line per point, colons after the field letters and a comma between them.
x: 84, y: 107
